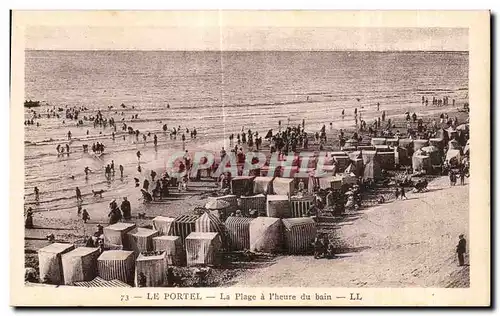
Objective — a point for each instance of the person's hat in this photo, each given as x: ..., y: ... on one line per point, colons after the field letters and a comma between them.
x: 112, y: 201
x: 99, y: 225
x: 461, y: 235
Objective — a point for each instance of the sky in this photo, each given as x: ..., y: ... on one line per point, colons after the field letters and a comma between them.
x: 244, y: 38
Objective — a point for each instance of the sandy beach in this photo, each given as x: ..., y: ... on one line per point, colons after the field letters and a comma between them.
x: 405, y: 243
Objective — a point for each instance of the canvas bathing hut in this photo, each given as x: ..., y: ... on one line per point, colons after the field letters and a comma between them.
x: 372, y: 169
x: 341, y: 162
x: 50, y: 263
x: 98, y: 282
x: 387, y: 160
x: 331, y: 182
x: 254, y: 202
x: 283, y: 186
x: 203, y: 249
x: 434, y: 153
x: 116, y: 234
x: 419, y: 143
x: 299, y: 206
x: 242, y: 185
x: 392, y: 142
x: 172, y: 246
x: 356, y: 169
x: 151, y: 269
x: 378, y: 141
x: 117, y: 265
x: 141, y: 240
x: 266, y: 235
x: 183, y: 226
x: 263, y: 185
x: 299, y: 234
x: 238, y: 231
x: 421, y: 162
x: 163, y: 224
x: 80, y: 264
x: 278, y: 206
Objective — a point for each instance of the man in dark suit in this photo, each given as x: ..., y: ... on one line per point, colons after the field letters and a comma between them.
x: 461, y: 249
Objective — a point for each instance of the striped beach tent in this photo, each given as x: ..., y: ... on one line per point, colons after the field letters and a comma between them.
x: 203, y: 249
x: 209, y: 223
x: 117, y: 265
x: 183, y: 225
x: 300, y: 206
x: 151, y: 268
x: 299, y: 234
x: 98, y: 282
x: 238, y: 232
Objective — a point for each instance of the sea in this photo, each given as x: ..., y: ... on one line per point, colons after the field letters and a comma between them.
x: 218, y: 93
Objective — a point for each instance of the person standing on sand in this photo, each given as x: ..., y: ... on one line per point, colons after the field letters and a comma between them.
x: 121, y: 171
x: 85, y: 216
x: 138, y: 155
x: 78, y: 194
x: 126, y: 208
x: 69, y: 135
x: 461, y: 247
x: 397, y: 193
x: 403, y: 194
x: 37, y: 193
x: 378, y: 106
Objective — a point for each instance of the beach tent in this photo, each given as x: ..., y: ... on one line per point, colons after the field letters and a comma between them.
x: 351, y: 142
x: 383, y: 148
x: 349, y: 149
x: 434, y: 153
x: 116, y: 234
x: 299, y: 206
x: 406, y: 143
x: 116, y: 265
x: 184, y: 225
x: 378, y: 141
x: 392, y: 142
x: 98, y: 282
x: 242, y: 185
x: 283, y: 186
x: 209, y: 223
x: 419, y: 143
x: 368, y: 155
x: 50, y: 263
x: 230, y: 198
x: 262, y: 185
x: 162, y: 224
x: 238, y: 231
x: 355, y: 155
x: 369, y: 147
x: 141, y: 239
x: 328, y: 182
x: 355, y: 168
x: 372, y: 170
x: 203, y: 249
x: 421, y: 163
x: 299, y: 234
x: 152, y: 267
x: 387, y: 160
x: 453, y: 156
x: 401, y: 156
x: 254, y: 202
x: 278, y: 206
x: 172, y: 246
x: 266, y: 235
x: 80, y: 264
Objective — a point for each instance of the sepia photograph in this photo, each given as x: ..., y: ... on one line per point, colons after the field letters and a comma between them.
x: 203, y: 153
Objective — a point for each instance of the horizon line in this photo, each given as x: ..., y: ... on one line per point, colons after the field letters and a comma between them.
x: 244, y: 50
